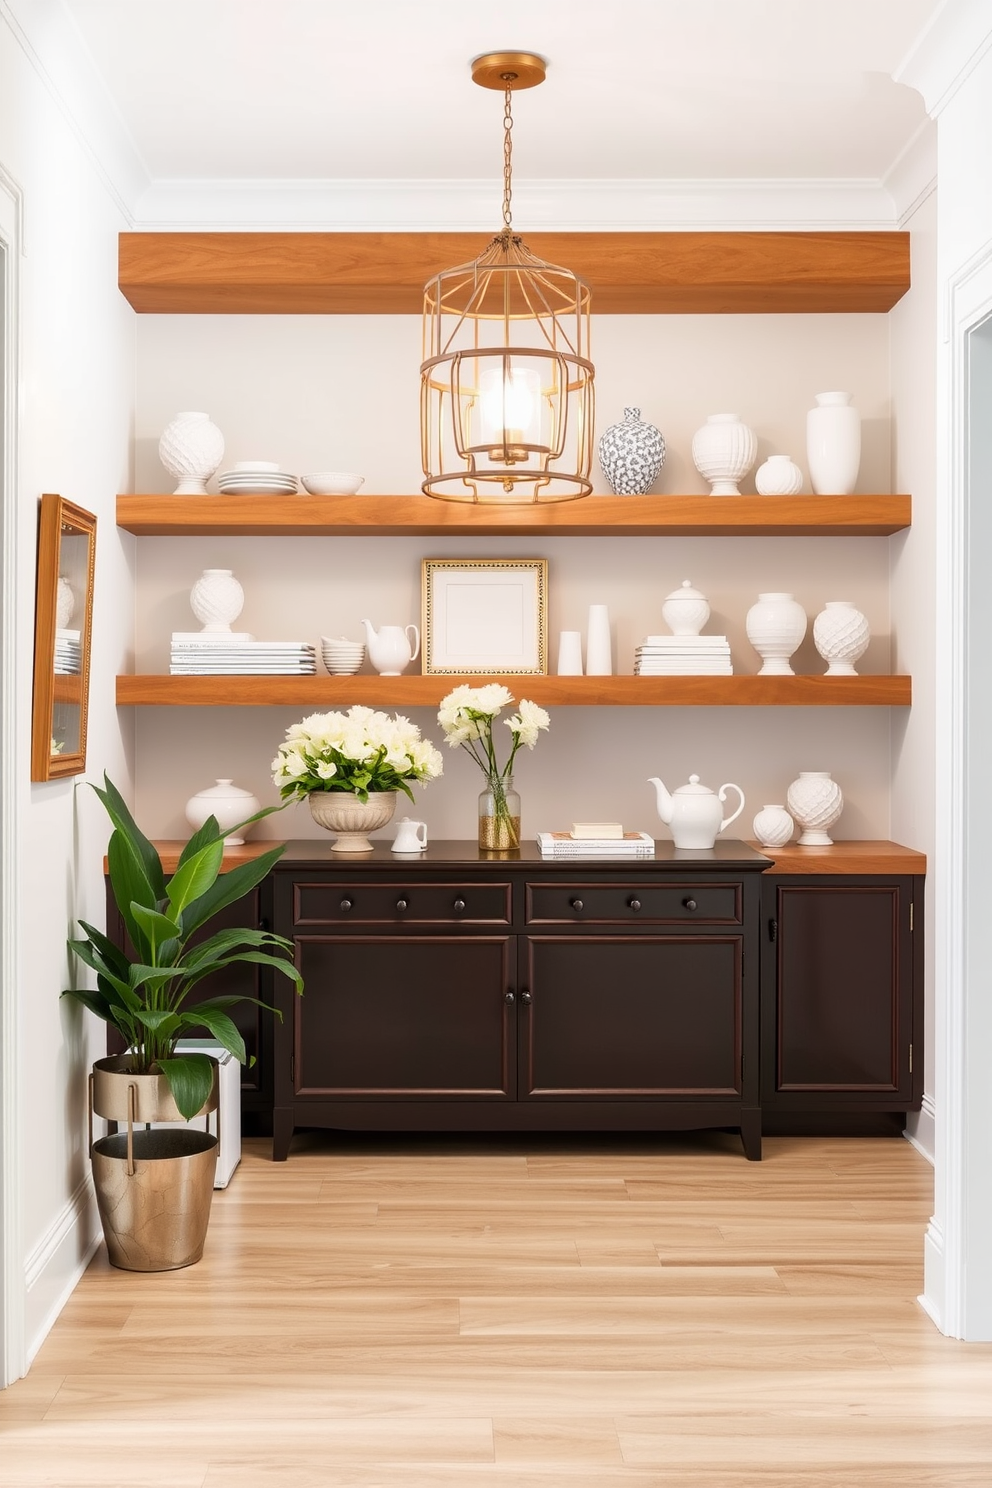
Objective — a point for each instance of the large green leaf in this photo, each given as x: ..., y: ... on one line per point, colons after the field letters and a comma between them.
x: 220, y: 1026
x: 225, y: 941
x: 211, y: 1004
x: 138, y: 845
x: 190, y: 1077
x: 229, y: 888
x: 158, y: 1020
x: 160, y: 932
x: 112, y: 955
x: 130, y: 886
x: 259, y: 958
x: 92, y: 958
x: 96, y: 1001
x: 153, y: 978
x: 194, y: 878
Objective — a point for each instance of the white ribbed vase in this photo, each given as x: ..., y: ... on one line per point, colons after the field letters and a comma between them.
x: 350, y: 818
x: 216, y: 599
x: 833, y: 445
x: 723, y: 451
x: 778, y: 476
x: 773, y: 826
x: 841, y: 635
x: 191, y: 448
x: 775, y: 627
x: 816, y: 802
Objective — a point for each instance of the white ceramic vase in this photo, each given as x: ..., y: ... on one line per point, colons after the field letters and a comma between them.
x: 773, y: 826
x: 816, y: 802
x: 216, y: 599
x: 685, y: 610
x: 775, y: 627
x: 191, y: 448
x: 723, y: 452
x: 631, y: 454
x: 833, y: 445
x: 228, y: 803
x: 350, y: 818
x: 841, y: 635
x: 65, y: 603
x: 778, y: 476
x: 599, y: 646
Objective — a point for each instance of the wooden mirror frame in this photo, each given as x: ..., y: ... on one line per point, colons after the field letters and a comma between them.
x: 59, y: 519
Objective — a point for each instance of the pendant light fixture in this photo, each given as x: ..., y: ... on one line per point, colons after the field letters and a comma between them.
x: 506, y: 411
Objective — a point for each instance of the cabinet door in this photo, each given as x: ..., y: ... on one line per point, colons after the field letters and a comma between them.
x: 395, y: 1016
x: 838, y: 1006
x: 631, y: 1016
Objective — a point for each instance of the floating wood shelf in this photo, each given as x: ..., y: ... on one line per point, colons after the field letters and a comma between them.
x: 618, y: 516
x: 323, y: 691
x: 630, y: 273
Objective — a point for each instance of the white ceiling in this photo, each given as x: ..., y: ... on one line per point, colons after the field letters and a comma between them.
x: 365, y: 89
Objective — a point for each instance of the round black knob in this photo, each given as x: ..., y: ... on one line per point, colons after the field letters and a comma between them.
x: 526, y: 997
x: 576, y: 903
x: 690, y: 904
x: 347, y: 904
x: 402, y: 904
x: 510, y: 998
x: 634, y: 904
x: 459, y: 906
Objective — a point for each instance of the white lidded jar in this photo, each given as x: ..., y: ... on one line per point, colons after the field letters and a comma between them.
x: 191, y: 448
x: 228, y: 803
x: 833, y: 445
x: 816, y: 801
x: 775, y: 627
x: 216, y: 599
x: 723, y: 452
x: 841, y: 635
x: 686, y: 610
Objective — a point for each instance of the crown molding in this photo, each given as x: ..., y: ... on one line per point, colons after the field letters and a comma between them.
x: 630, y: 205
x: 912, y: 177
x: 947, y: 51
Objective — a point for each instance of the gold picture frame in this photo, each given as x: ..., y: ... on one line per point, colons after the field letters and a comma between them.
x: 63, y: 595
x: 485, y: 616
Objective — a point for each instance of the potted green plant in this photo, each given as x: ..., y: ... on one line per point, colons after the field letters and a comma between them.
x: 144, y: 996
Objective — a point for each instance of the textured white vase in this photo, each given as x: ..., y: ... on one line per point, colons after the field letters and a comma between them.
x: 228, y: 803
x: 631, y: 454
x: 775, y: 627
x: 191, y: 448
x: 216, y: 599
x: 778, y: 476
x: 65, y: 602
x: 773, y: 826
x: 816, y: 801
x: 723, y: 451
x: 686, y: 610
x: 833, y: 445
x: 599, y: 647
x: 841, y: 635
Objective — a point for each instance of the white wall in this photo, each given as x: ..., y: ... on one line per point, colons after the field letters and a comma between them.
x: 74, y: 437
x: 342, y: 393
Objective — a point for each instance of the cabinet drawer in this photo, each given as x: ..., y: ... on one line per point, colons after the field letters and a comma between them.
x: 370, y: 903
x: 653, y: 903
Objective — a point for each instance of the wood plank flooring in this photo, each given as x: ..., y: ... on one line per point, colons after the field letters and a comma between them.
x: 522, y: 1313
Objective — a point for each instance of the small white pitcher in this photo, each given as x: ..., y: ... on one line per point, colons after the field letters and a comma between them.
x: 411, y: 836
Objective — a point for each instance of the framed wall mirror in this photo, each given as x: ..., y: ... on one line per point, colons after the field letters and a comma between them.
x: 63, y: 625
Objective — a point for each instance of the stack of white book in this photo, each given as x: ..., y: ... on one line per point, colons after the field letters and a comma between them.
x: 681, y: 656
x: 613, y: 843
x: 235, y: 653
x: 68, y: 656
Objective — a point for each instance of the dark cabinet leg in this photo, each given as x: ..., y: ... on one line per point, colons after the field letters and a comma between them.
x: 282, y: 1132
x: 751, y: 1135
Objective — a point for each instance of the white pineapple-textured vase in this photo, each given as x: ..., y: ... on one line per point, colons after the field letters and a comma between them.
x: 631, y: 454
x: 686, y: 610
x: 228, y: 803
x: 816, y: 801
x: 778, y: 476
x: 216, y: 599
x: 65, y: 602
x: 191, y: 448
x: 723, y: 451
x: 841, y: 635
x: 833, y: 445
x: 775, y: 627
x: 773, y: 826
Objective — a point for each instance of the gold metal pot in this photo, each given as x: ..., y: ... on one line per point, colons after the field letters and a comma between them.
x: 152, y: 1097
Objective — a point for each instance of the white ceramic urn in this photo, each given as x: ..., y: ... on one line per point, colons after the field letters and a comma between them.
x: 841, y: 635
x: 773, y: 826
x: 816, y: 801
x: 833, y: 445
x: 191, y: 449
x: 686, y: 610
x: 723, y: 452
x: 216, y: 599
x: 778, y: 476
x: 775, y: 627
x: 65, y: 602
x: 228, y: 803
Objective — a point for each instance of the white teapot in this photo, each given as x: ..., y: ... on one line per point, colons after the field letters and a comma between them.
x: 694, y: 812
x: 390, y: 648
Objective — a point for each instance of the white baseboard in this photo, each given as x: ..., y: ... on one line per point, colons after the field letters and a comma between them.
x: 921, y: 1130
x: 932, y: 1300
x: 54, y: 1267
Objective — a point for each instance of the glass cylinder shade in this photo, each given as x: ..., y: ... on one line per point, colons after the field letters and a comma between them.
x: 507, y: 408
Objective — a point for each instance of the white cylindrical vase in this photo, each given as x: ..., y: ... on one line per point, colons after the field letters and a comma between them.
x: 570, y: 653
x: 773, y: 826
x: 191, y: 448
x: 599, y: 646
x: 216, y: 599
x: 723, y: 452
x: 833, y: 445
x: 775, y: 627
x: 228, y: 803
x: 816, y: 801
x: 841, y: 635
x: 778, y: 476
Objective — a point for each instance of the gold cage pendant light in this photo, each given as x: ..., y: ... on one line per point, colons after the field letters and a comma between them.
x: 506, y: 403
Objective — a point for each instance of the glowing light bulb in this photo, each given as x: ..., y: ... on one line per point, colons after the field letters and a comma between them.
x: 510, y: 403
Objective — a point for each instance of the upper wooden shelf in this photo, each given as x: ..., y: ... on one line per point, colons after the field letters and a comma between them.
x: 622, y: 516
x: 322, y: 691
x: 671, y: 273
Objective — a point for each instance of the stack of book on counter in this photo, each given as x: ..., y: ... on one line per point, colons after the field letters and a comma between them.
x: 236, y: 654
x: 596, y: 840
x: 68, y: 656
x: 683, y: 656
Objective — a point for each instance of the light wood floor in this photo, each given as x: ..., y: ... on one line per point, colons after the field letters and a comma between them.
x: 610, y: 1313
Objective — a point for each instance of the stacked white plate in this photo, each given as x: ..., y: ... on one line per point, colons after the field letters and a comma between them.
x: 683, y: 656
x: 342, y: 658
x: 68, y: 656
x: 257, y: 478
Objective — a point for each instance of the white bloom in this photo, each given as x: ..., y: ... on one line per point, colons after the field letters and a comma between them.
x: 326, y: 770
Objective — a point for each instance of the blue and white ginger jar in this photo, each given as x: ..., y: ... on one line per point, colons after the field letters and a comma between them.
x: 631, y: 454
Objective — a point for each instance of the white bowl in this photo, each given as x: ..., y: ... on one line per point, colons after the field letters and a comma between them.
x: 332, y: 483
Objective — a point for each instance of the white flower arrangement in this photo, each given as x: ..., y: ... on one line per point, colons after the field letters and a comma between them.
x: 466, y: 717
x: 358, y: 752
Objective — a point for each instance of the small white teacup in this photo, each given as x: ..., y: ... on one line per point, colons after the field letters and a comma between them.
x: 411, y: 836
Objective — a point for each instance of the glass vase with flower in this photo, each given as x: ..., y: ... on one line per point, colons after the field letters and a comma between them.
x: 466, y: 717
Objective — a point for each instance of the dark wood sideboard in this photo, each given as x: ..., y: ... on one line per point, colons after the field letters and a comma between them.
x: 455, y: 991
